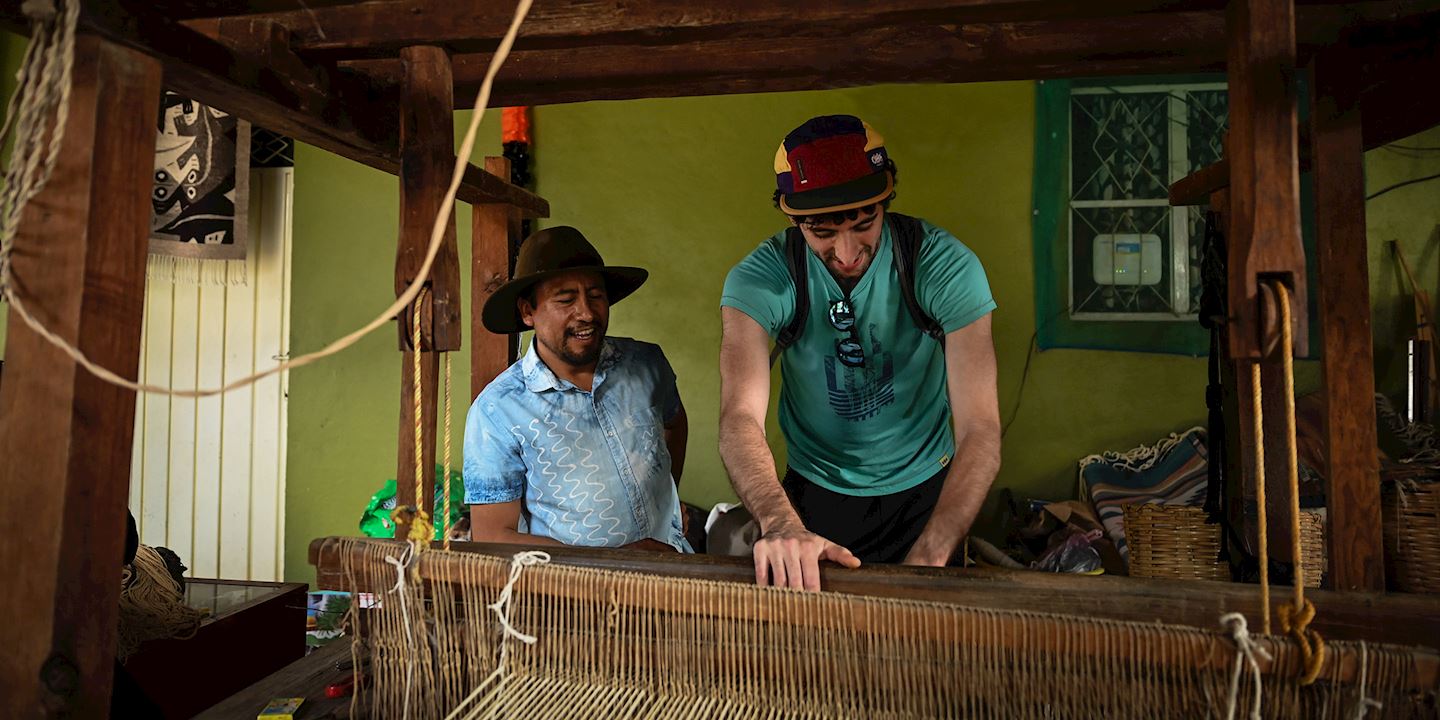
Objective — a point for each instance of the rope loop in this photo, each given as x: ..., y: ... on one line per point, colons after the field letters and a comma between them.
x: 1312, y: 647
x: 1246, y: 649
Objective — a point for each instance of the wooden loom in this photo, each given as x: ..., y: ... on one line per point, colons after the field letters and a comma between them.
x: 80, y: 255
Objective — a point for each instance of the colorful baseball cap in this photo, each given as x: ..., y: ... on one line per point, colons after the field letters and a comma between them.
x: 832, y: 163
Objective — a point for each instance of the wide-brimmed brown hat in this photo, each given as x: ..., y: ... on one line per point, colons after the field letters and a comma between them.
x: 547, y: 253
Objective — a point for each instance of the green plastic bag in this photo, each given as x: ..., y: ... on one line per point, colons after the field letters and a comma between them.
x: 375, y: 521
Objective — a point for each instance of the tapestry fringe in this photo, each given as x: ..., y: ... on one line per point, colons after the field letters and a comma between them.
x: 195, y: 271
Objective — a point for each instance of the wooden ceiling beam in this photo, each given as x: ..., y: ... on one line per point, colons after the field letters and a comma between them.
x: 1151, y: 43
x: 253, y: 75
x: 186, y: 9
x: 379, y: 29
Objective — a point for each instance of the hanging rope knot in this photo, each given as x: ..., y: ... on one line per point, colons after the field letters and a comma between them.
x: 1246, y: 649
x: 41, y: 11
x: 501, y: 606
x: 419, y: 520
x: 1312, y: 646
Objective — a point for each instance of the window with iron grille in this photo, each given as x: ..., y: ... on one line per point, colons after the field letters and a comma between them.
x: 1132, y: 257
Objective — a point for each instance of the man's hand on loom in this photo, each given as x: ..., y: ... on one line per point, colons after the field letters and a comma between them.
x: 791, y: 558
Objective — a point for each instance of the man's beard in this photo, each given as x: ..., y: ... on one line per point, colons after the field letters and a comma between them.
x: 579, y: 358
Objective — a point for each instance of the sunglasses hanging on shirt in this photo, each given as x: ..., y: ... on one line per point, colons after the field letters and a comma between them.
x: 848, y: 349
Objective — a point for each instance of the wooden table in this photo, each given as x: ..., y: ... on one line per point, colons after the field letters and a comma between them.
x: 253, y: 629
x: 306, y: 677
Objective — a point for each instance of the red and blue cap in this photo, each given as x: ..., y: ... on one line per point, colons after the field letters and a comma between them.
x: 830, y: 164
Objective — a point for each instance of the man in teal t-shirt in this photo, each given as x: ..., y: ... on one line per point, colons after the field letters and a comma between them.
x: 893, y: 436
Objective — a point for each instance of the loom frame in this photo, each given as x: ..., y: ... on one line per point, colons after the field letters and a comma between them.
x: 65, y: 437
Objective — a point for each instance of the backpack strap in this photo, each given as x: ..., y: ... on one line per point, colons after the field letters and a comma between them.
x: 908, y: 235
x: 795, y: 250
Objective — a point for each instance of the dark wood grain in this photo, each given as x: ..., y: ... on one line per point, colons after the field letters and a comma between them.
x: 349, y: 118
x: 427, y: 136
x: 1373, y: 617
x: 838, y: 55
x: 379, y: 29
x: 1264, y: 237
x: 493, y: 241
x: 1352, y: 471
x: 65, y: 437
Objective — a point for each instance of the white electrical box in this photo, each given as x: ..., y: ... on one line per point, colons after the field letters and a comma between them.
x: 1127, y: 259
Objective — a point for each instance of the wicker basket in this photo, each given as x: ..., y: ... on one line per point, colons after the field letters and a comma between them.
x: 1174, y: 541
x: 1411, y: 516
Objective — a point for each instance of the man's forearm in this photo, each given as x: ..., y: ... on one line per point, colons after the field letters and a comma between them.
x: 968, y: 481
x: 751, y: 466
x: 512, y: 537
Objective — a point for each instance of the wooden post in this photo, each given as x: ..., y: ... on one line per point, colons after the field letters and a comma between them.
x: 1264, y: 237
x: 1352, y: 473
x: 65, y: 436
x: 1263, y: 242
x: 493, y: 242
x: 427, y: 155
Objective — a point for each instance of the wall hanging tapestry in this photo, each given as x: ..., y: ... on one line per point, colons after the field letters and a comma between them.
x: 200, y: 195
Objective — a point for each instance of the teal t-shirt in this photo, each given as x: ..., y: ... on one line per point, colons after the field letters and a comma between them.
x: 884, y: 427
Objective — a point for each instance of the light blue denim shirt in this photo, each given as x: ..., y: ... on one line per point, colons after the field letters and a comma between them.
x: 590, y: 468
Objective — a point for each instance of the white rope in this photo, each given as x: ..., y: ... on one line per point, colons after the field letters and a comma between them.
x: 57, y: 87
x: 401, y: 565
x: 1245, y: 649
x: 1363, y: 705
x: 501, y: 607
x: 42, y: 89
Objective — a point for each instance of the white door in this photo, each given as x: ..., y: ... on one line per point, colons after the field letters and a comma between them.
x: 208, y: 475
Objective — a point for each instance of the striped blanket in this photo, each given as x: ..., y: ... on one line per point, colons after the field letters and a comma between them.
x: 1170, y: 472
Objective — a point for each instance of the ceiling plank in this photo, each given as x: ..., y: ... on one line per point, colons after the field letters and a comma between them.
x: 185, y: 9
x: 379, y: 29
x: 1152, y: 43
x: 322, y: 108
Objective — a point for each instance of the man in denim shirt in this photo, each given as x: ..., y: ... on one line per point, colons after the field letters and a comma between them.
x: 582, y: 440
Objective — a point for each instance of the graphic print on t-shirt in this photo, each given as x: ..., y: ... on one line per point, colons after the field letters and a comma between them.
x: 859, y: 393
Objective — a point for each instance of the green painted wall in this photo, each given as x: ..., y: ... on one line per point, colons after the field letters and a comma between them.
x: 345, y: 411
x: 682, y: 186
x: 1410, y: 215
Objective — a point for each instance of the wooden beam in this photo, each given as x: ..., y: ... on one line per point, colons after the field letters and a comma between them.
x: 1352, y: 472
x: 334, y: 115
x: 1390, y: 63
x: 1393, y: 62
x: 65, y: 436
x: 1264, y: 237
x: 183, y: 9
x: 911, y: 53
x: 1402, y: 619
x: 427, y: 134
x: 1176, y: 42
x: 378, y: 29
x: 494, y: 238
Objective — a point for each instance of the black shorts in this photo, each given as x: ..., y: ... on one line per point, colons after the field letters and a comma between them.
x: 877, y: 529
